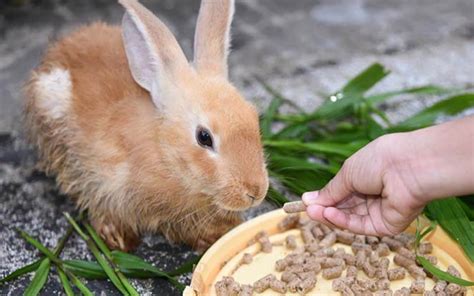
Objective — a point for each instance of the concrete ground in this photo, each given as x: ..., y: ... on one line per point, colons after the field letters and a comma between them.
x: 302, y: 48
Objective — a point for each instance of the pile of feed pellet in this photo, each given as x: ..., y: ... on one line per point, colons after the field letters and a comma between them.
x: 319, y: 255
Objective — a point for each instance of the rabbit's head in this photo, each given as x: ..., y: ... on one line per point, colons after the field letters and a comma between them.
x: 208, y: 134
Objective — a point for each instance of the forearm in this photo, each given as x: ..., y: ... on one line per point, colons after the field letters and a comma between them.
x: 438, y: 161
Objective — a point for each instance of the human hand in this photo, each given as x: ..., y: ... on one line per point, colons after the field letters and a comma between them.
x: 367, y: 195
x: 384, y: 186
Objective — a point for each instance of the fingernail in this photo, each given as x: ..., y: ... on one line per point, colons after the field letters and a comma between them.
x: 310, y: 198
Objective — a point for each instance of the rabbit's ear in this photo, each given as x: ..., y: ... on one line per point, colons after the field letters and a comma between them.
x: 212, y: 38
x: 154, y: 56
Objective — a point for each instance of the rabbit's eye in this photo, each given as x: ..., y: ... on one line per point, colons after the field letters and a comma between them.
x: 204, y: 138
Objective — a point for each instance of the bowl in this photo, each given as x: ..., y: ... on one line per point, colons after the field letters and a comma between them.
x: 223, y: 257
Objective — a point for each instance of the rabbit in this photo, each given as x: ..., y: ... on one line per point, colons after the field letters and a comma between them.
x: 142, y: 139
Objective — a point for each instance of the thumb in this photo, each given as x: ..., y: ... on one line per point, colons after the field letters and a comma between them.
x: 336, y: 190
x: 330, y: 195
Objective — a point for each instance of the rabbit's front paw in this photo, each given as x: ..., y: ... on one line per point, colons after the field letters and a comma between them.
x: 116, y: 237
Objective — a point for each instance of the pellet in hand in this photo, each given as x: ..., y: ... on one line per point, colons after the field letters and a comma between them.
x: 294, y: 207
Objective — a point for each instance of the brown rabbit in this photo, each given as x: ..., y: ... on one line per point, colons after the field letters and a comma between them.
x: 142, y: 139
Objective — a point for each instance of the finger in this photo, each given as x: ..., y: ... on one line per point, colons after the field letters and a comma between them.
x: 356, y: 223
x: 336, y: 190
x: 315, y: 212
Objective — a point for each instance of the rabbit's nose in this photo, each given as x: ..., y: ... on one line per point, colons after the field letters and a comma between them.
x: 255, y: 191
x: 253, y: 198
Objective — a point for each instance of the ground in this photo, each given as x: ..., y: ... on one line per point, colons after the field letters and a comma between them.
x: 302, y: 48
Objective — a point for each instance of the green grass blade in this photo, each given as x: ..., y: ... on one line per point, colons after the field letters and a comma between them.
x: 420, y: 90
x: 450, y: 106
x: 276, y: 197
x: 98, y: 256
x: 135, y: 263
x: 37, y: 244
x: 352, y: 93
x: 419, y: 235
x: 19, y: 272
x: 92, y: 270
x: 105, y: 250
x: 442, y: 275
x: 280, y: 163
x: 85, y: 269
x: 98, y: 241
x: 303, y: 181
x: 52, y: 257
x: 132, y: 262
x: 365, y: 80
x: 292, y: 131
x: 186, y: 267
x: 451, y: 217
x: 40, y: 278
x: 344, y: 150
x: 468, y: 206
x: 65, y: 282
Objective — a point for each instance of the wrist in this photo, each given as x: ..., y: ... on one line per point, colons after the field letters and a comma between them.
x: 406, y: 163
x: 436, y: 162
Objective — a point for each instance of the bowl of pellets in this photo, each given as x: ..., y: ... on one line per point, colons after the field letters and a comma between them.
x: 281, y: 253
